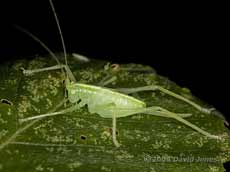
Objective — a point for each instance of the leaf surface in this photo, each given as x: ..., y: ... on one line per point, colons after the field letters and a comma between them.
x: 80, y: 141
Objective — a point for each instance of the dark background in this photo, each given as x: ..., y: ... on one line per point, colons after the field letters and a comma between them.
x: 187, y: 43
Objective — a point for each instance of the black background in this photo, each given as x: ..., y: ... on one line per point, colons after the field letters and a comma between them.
x: 189, y: 43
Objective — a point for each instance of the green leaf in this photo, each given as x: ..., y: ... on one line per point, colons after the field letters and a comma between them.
x: 81, y: 141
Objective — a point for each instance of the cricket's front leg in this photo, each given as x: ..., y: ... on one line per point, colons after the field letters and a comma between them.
x: 30, y: 72
x: 56, y: 67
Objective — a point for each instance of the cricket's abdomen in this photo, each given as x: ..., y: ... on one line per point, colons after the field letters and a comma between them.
x: 97, y: 96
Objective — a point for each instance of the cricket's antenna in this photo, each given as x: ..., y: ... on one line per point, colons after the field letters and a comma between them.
x: 39, y: 41
x: 60, y: 32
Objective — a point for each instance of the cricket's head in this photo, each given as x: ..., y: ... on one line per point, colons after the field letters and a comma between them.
x: 69, y: 78
x: 71, y: 88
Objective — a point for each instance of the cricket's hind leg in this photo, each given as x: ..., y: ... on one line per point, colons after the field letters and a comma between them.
x: 168, y: 92
x: 158, y: 111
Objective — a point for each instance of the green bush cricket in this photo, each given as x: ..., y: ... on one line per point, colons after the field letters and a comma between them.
x: 110, y: 103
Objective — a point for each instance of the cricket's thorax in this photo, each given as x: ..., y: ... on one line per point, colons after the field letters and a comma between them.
x: 94, y: 95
